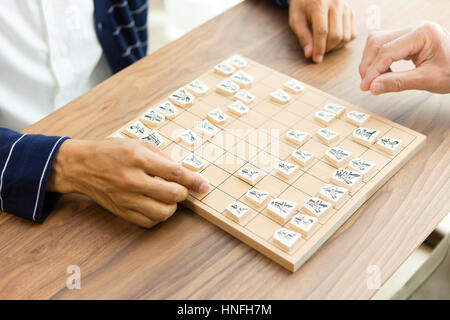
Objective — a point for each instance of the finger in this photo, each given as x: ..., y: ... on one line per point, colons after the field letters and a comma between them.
x: 150, y: 208
x: 373, y: 44
x: 399, y: 81
x: 319, y: 20
x: 335, y: 28
x: 300, y: 27
x: 137, y: 218
x: 400, y: 48
x: 347, y: 26
x: 353, y: 25
x: 171, y: 171
x: 154, y: 148
x: 165, y: 191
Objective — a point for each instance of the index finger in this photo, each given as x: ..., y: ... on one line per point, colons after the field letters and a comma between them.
x: 172, y: 171
x: 319, y: 21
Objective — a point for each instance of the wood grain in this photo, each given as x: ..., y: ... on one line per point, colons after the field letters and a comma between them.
x: 187, y: 257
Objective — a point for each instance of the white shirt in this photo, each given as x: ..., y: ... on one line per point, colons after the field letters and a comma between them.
x: 49, y: 55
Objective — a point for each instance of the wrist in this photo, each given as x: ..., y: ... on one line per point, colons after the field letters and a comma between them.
x: 63, y: 176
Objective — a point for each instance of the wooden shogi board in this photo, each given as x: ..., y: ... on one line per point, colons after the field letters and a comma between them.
x: 257, y: 140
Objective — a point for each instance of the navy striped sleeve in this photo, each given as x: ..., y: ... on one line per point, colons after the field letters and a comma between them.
x: 26, y: 161
x: 281, y: 3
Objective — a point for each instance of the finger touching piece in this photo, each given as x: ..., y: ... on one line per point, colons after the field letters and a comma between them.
x: 401, y: 48
x: 172, y: 171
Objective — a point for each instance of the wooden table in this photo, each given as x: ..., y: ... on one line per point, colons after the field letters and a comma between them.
x: 187, y: 257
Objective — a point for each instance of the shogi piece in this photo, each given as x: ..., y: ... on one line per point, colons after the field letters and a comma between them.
x: 286, y: 169
x: 197, y: 87
x: 167, y: 109
x: 243, y: 79
x: 286, y: 239
x: 324, y: 117
x: 250, y: 175
x: 238, y: 108
x: 153, y: 118
x: 280, y: 96
x: 237, y: 211
x: 182, y: 98
x: 154, y: 137
x: 217, y: 116
x: 389, y: 145
x: 227, y: 87
x: 346, y: 178
x: 338, y: 157
x: 337, y: 109
x: 206, y: 129
x: 302, y: 157
x: 293, y: 86
x: 189, y: 138
x: 237, y: 61
x: 224, y: 69
x: 365, y: 168
x: 136, y: 130
x: 244, y: 96
x: 327, y: 136
x: 333, y: 194
x: 317, y: 207
x: 357, y: 118
x: 365, y: 136
x: 296, y: 137
x: 257, y: 197
x: 281, y: 210
x: 303, y: 224
x: 193, y: 162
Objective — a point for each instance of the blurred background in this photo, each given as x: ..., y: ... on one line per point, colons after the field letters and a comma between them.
x: 169, y: 21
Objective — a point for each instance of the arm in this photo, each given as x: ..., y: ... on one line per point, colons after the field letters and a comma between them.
x: 26, y: 161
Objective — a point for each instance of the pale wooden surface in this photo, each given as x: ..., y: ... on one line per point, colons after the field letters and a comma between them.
x: 187, y: 257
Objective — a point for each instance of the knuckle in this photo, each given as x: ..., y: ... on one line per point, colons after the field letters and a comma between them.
x: 176, y: 172
x: 337, y: 3
x: 321, y: 31
x: 430, y: 27
x: 334, y: 36
x: 175, y: 195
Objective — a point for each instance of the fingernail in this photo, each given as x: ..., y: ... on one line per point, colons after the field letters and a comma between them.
x: 318, y: 59
x: 204, y: 187
x: 307, y: 50
x: 377, y: 87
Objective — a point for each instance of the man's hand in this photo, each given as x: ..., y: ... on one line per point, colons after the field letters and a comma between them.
x: 132, y: 179
x: 428, y: 46
x: 332, y: 21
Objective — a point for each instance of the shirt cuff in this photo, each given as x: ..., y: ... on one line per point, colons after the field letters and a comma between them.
x: 25, y: 174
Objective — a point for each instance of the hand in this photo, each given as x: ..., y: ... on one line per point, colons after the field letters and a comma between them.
x: 132, y: 179
x: 333, y: 25
x: 428, y: 46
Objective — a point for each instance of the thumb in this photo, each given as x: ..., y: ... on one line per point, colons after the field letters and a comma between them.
x: 399, y: 81
x: 301, y: 29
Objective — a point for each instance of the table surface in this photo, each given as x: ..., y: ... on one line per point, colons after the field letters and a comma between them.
x: 188, y: 257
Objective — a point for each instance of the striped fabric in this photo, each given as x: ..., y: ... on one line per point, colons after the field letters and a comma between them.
x: 26, y: 162
x: 122, y: 30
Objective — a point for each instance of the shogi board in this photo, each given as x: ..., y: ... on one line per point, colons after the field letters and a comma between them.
x: 257, y: 140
